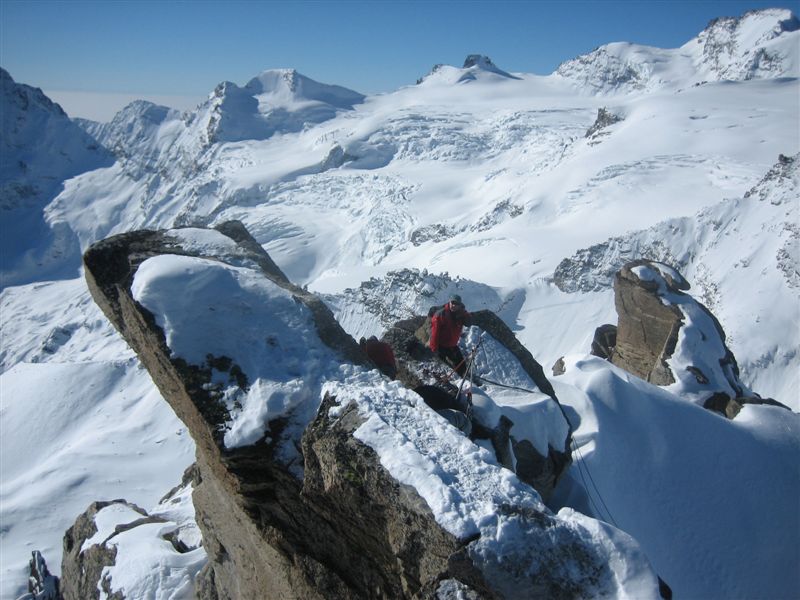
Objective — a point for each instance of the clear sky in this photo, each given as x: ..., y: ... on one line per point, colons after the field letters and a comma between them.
x: 93, y: 55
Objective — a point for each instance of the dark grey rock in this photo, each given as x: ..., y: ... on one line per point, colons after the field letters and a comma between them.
x: 559, y: 367
x: 42, y: 585
x: 604, y: 341
x: 605, y: 118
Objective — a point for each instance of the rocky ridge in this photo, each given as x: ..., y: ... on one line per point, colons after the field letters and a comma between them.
x: 374, y: 535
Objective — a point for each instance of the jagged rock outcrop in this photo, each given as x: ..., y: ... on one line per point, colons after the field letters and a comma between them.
x: 667, y: 338
x: 304, y: 505
x: 82, y: 568
x: 42, y: 585
x: 122, y: 550
x: 647, y: 332
x: 605, y: 118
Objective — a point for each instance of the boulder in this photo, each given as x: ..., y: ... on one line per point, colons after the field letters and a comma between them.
x: 647, y: 331
x: 604, y: 341
x: 668, y: 338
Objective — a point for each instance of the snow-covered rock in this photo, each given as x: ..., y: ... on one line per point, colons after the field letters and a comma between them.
x: 290, y: 427
x: 117, y: 549
x: 761, y: 229
x: 668, y: 338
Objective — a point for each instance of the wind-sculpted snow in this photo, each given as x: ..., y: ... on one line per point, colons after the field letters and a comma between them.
x: 278, y: 355
x: 692, y: 487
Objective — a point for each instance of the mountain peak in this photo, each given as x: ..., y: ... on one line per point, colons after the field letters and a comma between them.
x: 761, y: 44
x: 478, y: 60
x: 481, y: 62
x: 291, y: 84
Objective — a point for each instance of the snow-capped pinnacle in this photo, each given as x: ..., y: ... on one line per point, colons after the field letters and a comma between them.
x: 481, y: 62
x: 475, y: 66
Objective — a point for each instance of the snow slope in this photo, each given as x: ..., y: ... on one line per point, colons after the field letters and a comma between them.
x: 490, y: 181
x: 40, y: 148
x: 713, y: 502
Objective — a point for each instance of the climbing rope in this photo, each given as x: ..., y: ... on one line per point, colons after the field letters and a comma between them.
x: 470, y: 374
x: 581, y: 463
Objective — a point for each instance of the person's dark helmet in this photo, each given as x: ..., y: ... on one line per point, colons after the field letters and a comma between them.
x: 455, y: 302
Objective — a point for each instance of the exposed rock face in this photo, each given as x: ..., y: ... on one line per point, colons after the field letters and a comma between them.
x: 667, y: 338
x: 81, y: 570
x: 341, y: 526
x: 605, y: 118
x: 605, y: 340
x: 41, y: 584
x: 648, y: 329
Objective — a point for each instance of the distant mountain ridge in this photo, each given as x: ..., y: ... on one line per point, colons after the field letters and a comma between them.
x: 757, y: 45
x: 40, y: 148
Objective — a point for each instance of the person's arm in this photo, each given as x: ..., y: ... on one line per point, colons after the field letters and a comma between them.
x: 434, y: 341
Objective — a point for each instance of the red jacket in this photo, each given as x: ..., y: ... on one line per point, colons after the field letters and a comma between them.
x: 446, y: 327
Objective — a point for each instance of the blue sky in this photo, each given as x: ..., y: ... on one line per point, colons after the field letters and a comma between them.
x: 150, y: 48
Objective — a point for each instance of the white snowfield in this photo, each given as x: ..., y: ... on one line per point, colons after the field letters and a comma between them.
x: 486, y: 178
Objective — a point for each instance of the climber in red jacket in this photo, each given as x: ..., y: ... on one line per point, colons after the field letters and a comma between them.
x: 381, y: 354
x: 446, y: 326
